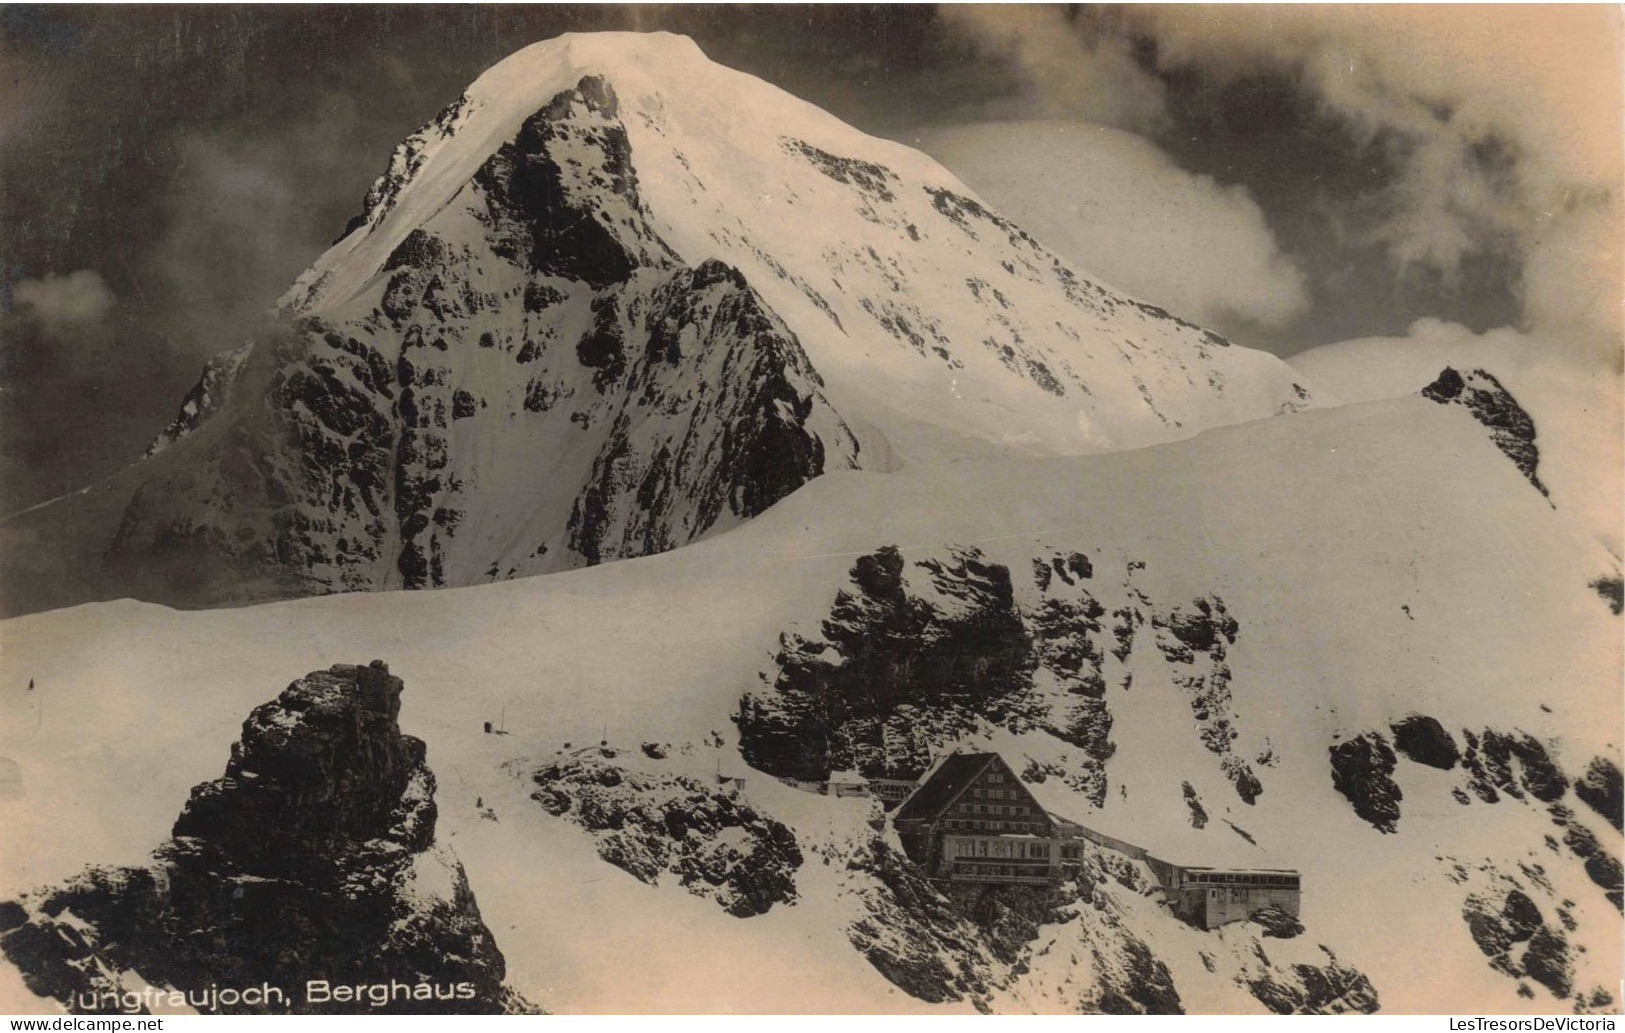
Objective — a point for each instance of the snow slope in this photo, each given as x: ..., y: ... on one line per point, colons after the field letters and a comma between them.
x: 1379, y: 560
x: 1577, y: 409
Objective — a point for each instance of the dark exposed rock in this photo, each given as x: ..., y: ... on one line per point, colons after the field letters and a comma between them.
x: 1612, y: 590
x: 554, y: 216
x: 1510, y: 426
x: 1547, y: 962
x: 873, y: 180
x: 1478, y: 775
x: 1601, y: 866
x: 1037, y: 773
x: 1534, y: 773
x: 207, y: 397
x: 1243, y: 833
x: 1361, y: 770
x: 1194, y: 640
x: 912, y: 656
x: 1330, y: 989
x: 1200, y: 627
x: 603, y: 346
x: 941, y: 942
x: 1276, y: 922
x: 338, y: 455
x: 970, y: 215
x: 1146, y: 987
x: 1502, y: 921
x: 893, y: 670
x: 1600, y: 789
x: 911, y: 933
x: 1194, y: 802
x: 1240, y: 774
x: 406, y: 160
x: 1008, y: 917
x: 1423, y: 739
x: 313, y: 858
x: 1520, y: 915
x: 651, y: 826
x: 746, y: 395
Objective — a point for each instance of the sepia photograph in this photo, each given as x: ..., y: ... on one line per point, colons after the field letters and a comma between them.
x: 812, y: 509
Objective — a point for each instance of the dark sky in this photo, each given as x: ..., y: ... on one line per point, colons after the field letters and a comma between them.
x: 198, y: 158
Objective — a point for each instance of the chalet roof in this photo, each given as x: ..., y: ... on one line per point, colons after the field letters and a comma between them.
x: 951, y: 777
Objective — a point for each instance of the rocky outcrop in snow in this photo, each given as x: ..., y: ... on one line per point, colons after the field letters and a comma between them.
x: 1332, y: 988
x: 965, y: 942
x: 903, y: 661
x: 1362, y: 770
x: 914, y: 655
x: 1512, y: 932
x: 1508, y: 769
x: 1423, y: 739
x: 313, y: 858
x: 658, y: 825
x: 1495, y: 763
x: 1194, y: 640
x: 1601, y: 789
x: 1093, y: 943
x: 1511, y: 428
x: 1612, y: 590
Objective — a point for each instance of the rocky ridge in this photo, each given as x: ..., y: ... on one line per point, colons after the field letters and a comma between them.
x: 313, y: 859
x: 1491, y: 404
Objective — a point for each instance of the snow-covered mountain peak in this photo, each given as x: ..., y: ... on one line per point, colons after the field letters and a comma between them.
x: 890, y: 270
x: 656, y: 74
x: 616, y: 298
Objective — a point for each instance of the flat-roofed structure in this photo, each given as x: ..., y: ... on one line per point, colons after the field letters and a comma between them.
x: 1209, y: 897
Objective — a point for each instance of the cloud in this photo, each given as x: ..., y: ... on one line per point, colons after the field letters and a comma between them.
x: 247, y: 214
x: 1501, y: 124
x: 64, y: 302
x: 1072, y: 70
x: 1118, y: 207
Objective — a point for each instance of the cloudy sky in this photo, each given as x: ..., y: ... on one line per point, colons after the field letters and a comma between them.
x: 1293, y: 176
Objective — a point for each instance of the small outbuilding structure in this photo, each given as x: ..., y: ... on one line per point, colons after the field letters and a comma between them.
x: 1210, y: 897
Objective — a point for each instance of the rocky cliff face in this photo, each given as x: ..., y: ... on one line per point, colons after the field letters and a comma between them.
x: 914, y: 655
x: 311, y: 865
